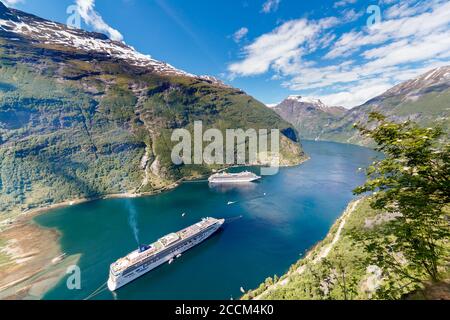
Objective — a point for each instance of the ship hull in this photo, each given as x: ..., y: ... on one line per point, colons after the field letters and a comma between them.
x: 114, y: 283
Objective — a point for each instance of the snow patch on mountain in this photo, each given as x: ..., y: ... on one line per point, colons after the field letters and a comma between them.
x: 413, y: 88
x: 56, y: 34
x: 316, y: 103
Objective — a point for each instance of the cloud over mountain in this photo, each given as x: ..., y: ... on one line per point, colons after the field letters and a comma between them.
x: 317, y: 58
x: 86, y: 9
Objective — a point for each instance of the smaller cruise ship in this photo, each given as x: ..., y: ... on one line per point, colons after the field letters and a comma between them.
x: 240, y: 177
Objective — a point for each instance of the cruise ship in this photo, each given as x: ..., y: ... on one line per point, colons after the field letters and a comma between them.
x: 169, y: 247
x: 240, y: 177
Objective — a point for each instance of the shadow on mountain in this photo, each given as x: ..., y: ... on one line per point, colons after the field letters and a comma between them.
x: 66, y: 174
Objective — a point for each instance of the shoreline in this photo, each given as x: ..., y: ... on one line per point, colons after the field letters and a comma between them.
x: 31, y: 257
x: 30, y: 214
x: 32, y: 260
x: 314, y: 255
x: 31, y: 274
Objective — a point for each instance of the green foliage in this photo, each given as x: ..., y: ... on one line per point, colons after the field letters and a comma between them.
x: 392, y: 239
x: 76, y: 127
x: 341, y: 275
x: 119, y: 104
x: 56, y: 144
x: 411, y: 183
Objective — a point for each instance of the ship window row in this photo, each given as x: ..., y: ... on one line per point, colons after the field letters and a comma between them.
x: 146, y: 263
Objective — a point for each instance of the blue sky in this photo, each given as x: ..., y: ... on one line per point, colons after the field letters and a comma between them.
x: 333, y: 50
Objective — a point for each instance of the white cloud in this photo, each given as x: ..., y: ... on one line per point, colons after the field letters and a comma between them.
x: 407, y: 8
x: 436, y: 19
x: 350, y: 15
x: 12, y: 3
x: 352, y: 95
x: 241, y: 33
x: 270, y: 6
x: 86, y: 8
x: 343, y: 3
x: 356, y: 95
x: 361, y: 63
x: 280, y: 49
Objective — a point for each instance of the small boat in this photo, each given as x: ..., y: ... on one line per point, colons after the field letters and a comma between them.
x: 265, y: 193
x: 170, y: 261
x: 242, y: 290
x: 183, y: 214
x: 231, y: 202
x: 178, y: 255
x: 59, y: 258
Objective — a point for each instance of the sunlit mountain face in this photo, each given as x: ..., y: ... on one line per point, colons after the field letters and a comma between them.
x: 90, y: 116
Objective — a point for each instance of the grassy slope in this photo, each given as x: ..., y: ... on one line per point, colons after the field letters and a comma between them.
x: 317, y: 280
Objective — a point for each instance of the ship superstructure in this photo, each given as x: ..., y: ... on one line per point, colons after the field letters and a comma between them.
x: 146, y: 258
x: 240, y: 177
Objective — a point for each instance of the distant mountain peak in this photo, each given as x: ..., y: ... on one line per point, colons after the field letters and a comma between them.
x: 5, y: 13
x: 437, y: 74
x: 308, y: 114
x: 414, y: 88
x: 302, y: 99
x: 297, y: 101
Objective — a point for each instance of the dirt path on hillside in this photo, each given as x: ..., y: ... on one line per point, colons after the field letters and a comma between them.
x: 324, y: 252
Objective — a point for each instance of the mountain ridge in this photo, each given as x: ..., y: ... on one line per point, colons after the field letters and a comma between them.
x: 77, y: 122
x: 58, y: 34
x: 424, y: 99
x: 308, y: 115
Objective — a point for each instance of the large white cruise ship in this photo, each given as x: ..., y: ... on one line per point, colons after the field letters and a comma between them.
x: 146, y: 258
x: 240, y: 177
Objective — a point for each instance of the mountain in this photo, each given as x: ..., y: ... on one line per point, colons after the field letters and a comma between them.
x: 82, y: 116
x: 309, y: 116
x: 425, y: 99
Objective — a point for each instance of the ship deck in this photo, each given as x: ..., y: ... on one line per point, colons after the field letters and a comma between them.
x: 161, y: 244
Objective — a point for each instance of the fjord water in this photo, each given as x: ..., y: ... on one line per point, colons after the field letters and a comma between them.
x: 282, y: 217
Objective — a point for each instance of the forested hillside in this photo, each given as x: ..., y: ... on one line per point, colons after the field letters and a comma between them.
x: 82, y: 116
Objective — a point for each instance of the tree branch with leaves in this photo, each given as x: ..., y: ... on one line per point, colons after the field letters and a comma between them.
x: 412, y: 181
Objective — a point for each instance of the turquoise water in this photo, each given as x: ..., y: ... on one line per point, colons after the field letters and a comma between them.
x: 275, y: 230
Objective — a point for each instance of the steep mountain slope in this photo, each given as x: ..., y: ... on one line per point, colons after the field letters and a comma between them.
x: 83, y: 116
x: 425, y: 100
x: 310, y: 117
